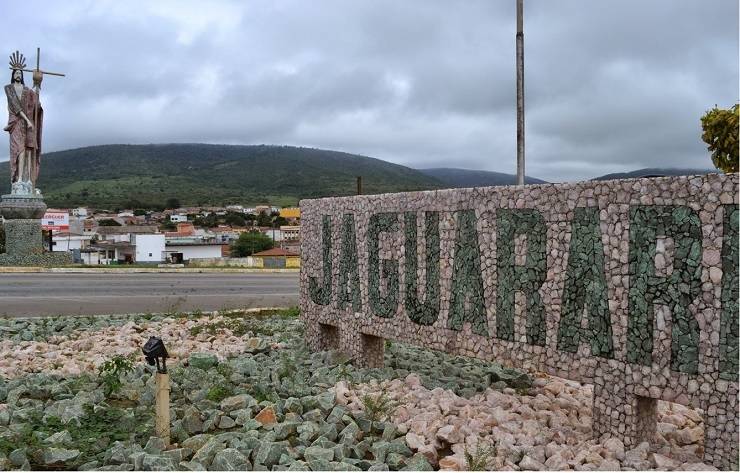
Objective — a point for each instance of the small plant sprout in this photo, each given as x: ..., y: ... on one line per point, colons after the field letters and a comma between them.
x: 378, y: 407
x: 479, y: 459
x: 111, y: 370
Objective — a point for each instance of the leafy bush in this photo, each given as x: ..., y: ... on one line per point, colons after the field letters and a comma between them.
x: 720, y: 132
x: 111, y: 370
x: 250, y: 243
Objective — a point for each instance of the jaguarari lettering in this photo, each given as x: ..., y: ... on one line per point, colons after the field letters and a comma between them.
x: 584, y: 291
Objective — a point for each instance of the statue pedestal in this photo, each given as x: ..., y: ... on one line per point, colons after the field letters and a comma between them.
x: 23, y: 240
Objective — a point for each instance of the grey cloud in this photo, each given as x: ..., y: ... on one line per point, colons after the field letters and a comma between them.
x: 611, y: 85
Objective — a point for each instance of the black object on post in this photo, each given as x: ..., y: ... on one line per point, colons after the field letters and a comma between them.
x: 154, y: 350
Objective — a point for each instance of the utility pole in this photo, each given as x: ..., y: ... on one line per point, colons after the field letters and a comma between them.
x: 519, y: 92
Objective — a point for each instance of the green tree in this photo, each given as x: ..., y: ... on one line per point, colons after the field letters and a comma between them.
x: 207, y: 221
x: 2, y: 239
x: 235, y: 219
x: 721, y: 134
x: 172, y: 203
x: 249, y: 243
x: 108, y: 222
x: 264, y: 220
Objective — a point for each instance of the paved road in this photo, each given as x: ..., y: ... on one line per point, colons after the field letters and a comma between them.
x: 91, y: 294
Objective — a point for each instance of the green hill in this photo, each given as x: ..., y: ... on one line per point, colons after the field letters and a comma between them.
x: 455, y: 177
x: 125, y: 176
x: 655, y: 172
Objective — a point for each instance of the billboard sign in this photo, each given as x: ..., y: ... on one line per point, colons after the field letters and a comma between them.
x: 55, y: 221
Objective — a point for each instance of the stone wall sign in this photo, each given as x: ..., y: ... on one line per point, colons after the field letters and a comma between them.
x: 629, y: 285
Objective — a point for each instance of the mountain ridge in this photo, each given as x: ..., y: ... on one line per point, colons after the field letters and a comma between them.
x: 146, y: 176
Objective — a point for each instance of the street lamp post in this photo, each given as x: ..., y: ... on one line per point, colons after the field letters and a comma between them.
x: 519, y: 92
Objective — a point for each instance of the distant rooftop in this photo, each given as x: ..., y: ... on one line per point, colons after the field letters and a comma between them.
x: 276, y: 252
x: 117, y: 230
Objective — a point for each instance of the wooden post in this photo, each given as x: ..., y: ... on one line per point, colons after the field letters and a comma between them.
x: 162, y: 407
x: 359, y: 185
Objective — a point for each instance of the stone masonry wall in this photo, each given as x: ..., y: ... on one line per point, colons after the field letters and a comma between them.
x: 24, y: 246
x: 630, y: 285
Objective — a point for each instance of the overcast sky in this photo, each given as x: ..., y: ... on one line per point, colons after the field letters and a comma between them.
x: 611, y: 85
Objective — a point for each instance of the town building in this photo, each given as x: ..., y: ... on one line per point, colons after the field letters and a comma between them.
x: 79, y: 212
x: 291, y: 213
x: 181, y: 251
x: 277, y: 258
x: 124, y: 232
x: 68, y: 241
x: 148, y: 248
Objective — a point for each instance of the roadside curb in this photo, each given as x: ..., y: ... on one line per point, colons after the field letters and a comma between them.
x: 38, y: 269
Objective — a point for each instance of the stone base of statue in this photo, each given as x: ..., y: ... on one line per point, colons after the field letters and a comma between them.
x: 24, y: 244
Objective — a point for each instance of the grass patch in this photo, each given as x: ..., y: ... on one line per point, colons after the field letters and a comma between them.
x: 378, y: 407
x: 97, y: 429
x: 479, y: 459
x: 219, y: 392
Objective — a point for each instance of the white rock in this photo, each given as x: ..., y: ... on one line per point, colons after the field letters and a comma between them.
x: 663, y: 463
x: 697, y: 467
x: 616, y: 447
x: 530, y: 464
x: 610, y: 465
x: 688, y: 435
x: 450, y: 434
x: 415, y: 441
x: 557, y: 462
x: 412, y: 381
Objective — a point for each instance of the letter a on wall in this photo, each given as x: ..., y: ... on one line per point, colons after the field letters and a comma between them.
x: 467, y: 281
x: 585, y: 288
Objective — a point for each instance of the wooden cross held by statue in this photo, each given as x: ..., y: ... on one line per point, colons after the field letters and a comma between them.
x: 38, y: 76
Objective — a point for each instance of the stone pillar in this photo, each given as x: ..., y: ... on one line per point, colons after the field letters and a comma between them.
x: 366, y: 351
x: 624, y: 415
x: 321, y: 337
x: 23, y: 241
x: 721, y: 429
x: 23, y: 237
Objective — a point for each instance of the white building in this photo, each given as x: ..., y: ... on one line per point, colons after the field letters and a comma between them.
x: 66, y: 241
x: 178, y: 218
x: 179, y: 252
x: 275, y: 234
x: 148, y: 248
x: 80, y: 212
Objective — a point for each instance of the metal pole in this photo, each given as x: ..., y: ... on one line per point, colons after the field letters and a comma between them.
x: 519, y: 92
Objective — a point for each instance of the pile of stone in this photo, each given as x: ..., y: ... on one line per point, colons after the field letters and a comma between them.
x: 546, y: 427
x: 249, y: 395
x: 72, y: 354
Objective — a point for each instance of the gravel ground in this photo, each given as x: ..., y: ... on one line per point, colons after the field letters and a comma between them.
x: 247, y: 394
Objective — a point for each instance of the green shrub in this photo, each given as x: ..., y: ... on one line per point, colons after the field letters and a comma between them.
x: 111, y: 370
